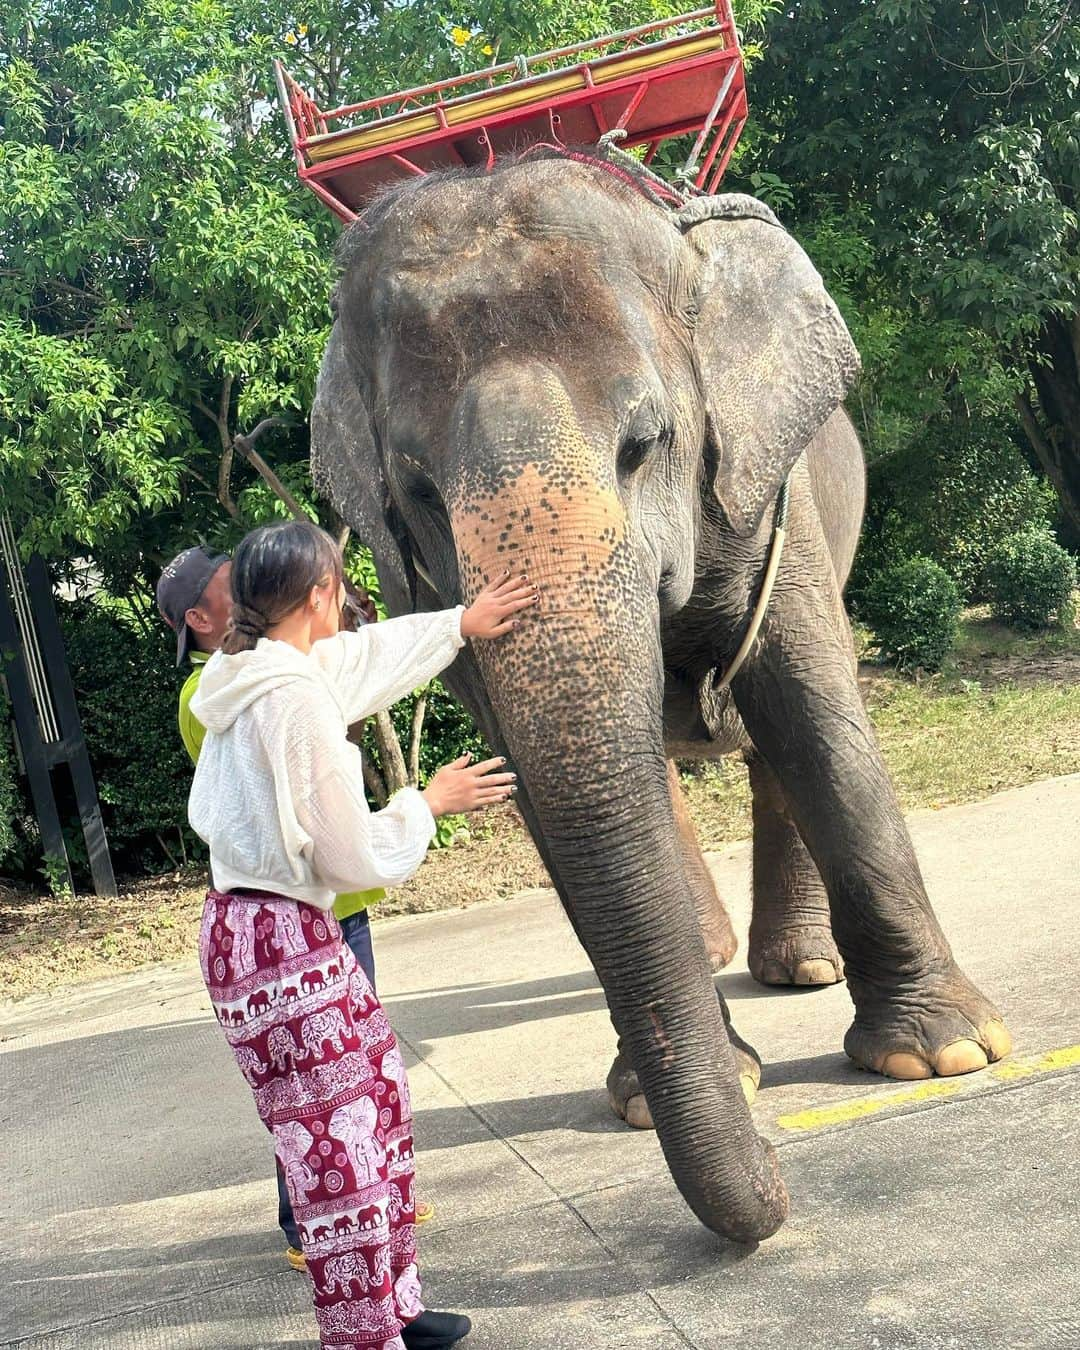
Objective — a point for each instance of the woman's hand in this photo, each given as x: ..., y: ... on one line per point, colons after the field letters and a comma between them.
x: 462, y: 786
x: 493, y: 611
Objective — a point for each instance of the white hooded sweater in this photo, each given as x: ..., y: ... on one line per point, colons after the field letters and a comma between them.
x: 279, y: 791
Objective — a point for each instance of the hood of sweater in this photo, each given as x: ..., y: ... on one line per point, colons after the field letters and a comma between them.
x: 231, y: 684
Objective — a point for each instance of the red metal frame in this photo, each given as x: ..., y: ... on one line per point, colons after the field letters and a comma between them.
x: 683, y: 74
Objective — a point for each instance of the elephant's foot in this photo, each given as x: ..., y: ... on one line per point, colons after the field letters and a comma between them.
x: 720, y: 940
x: 940, y: 1024
x: 802, y: 955
x: 628, y: 1101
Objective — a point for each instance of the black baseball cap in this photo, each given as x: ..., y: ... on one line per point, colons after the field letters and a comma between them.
x: 181, y: 587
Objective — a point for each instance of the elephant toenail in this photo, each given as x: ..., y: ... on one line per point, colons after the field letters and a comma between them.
x: 774, y: 972
x: 960, y: 1057
x: 638, y: 1114
x: 903, y: 1064
x: 816, y: 972
x: 998, y: 1037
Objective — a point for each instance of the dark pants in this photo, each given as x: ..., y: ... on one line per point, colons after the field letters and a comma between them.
x: 356, y: 930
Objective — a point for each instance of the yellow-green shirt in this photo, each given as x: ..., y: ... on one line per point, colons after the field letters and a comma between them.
x: 193, y: 733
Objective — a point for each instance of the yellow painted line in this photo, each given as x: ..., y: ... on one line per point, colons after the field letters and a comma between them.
x: 816, y: 1117
x: 1008, y: 1070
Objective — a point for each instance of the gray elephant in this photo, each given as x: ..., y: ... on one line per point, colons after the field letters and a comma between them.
x: 539, y: 368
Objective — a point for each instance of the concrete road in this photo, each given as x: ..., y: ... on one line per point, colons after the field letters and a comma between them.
x: 138, y: 1205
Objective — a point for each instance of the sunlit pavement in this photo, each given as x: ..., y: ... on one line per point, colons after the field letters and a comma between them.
x: 138, y: 1201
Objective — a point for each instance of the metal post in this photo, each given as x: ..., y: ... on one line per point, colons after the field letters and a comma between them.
x: 74, y: 742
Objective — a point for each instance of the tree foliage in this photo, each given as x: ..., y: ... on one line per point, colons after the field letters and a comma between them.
x: 162, y: 283
x: 946, y: 138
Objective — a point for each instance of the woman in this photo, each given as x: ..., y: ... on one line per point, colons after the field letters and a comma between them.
x: 278, y: 795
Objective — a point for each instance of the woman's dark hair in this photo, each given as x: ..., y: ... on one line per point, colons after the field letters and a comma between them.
x: 273, y: 571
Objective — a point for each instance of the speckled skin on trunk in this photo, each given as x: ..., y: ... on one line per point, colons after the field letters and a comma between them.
x: 538, y: 370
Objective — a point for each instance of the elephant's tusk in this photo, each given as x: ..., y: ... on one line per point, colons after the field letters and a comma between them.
x: 776, y: 550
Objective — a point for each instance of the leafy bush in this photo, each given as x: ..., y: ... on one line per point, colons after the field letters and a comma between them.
x: 1031, y: 579
x: 951, y: 495
x: 127, y: 684
x: 913, y: 607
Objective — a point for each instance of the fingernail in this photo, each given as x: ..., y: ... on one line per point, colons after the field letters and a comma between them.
x: 513, y: 791
x: 502, y: 759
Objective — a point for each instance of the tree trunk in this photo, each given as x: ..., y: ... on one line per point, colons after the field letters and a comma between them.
x: 1053, y: 430
x: 391, y: 760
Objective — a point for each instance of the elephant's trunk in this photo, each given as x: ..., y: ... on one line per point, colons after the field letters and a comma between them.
x: 577, y: 694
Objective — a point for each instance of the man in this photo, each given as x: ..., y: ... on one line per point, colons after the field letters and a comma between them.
x: 194, y: 598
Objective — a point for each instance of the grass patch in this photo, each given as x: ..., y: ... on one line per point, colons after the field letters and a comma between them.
x: 981, y: 638
x: 944, y: 742
x: 960, y: 745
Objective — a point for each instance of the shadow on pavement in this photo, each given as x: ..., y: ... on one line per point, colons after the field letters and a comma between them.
x: 473, y: 1008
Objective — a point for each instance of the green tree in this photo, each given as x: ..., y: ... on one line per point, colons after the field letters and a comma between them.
x: 948, y: 137
x: 162, y: 281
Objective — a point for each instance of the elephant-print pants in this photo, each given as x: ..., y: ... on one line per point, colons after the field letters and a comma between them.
x: 314, y: 1044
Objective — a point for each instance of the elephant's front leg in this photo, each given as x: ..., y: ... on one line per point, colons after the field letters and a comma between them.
x: 916, y: 1013
x: 791, y: 939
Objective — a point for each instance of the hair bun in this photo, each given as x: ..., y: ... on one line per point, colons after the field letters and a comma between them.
x: 248, y: 622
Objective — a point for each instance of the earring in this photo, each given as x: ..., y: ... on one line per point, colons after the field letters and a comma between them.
x: 318, y: 604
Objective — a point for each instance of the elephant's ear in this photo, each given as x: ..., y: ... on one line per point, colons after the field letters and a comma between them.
x: 774, y: 354
x: 347, y: 470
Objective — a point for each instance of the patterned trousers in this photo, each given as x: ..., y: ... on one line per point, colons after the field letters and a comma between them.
x: 313, y: 1042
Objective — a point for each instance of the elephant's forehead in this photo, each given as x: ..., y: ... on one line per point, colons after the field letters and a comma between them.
x: 496, y: 264
x: 447, y: 213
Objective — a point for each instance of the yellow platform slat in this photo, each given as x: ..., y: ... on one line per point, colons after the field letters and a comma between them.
x: 475, y: 108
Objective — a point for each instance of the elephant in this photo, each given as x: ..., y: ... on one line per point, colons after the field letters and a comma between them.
x: 369, y: 1218
x: 537, y: 368
x: 311, y: 980
x: 282, y: 1048
x: 327, y: 1026
x: 354, y: 1125
x: 341, y: 1272
x: 258, y: 1003
x: 393, y: 1068
x: 288, y: 931
x: 293, y: 1143
x: 251, y: 1063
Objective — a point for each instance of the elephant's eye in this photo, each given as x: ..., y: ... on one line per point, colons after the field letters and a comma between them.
x: 638, y: 444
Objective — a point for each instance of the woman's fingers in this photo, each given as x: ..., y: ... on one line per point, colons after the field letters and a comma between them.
x: 509, y: 581
x: 486, y: 765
